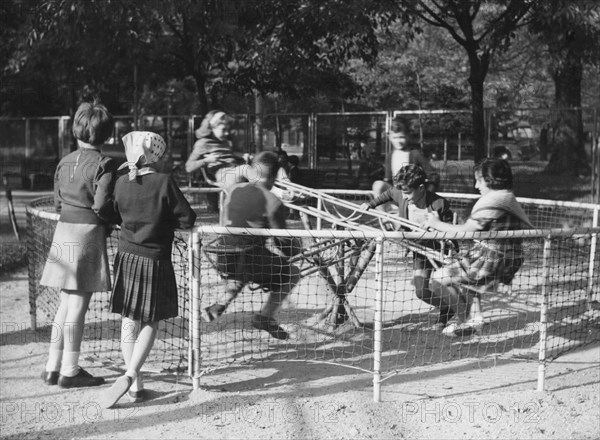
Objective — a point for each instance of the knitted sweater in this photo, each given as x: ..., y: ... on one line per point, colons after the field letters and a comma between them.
x: 149, y: 209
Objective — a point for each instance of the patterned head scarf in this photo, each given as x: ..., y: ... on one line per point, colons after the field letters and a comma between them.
x: 146, y: 144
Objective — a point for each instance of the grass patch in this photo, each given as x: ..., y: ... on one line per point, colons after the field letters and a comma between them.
x: 13, y: 253
x: 532, y: 181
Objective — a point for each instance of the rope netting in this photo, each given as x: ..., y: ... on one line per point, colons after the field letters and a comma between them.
x: 101, y: 341
x: 332, y: 313
x: 410, y: 338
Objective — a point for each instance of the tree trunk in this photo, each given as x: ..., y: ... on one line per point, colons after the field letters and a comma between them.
x: 567, y: 145
x: 476, y: 79
x: 202, y: 98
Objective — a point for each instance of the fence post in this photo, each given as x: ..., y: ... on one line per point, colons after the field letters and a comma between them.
x: 312, y: 141
x: 190, y: 145
x: 378, y: 319
x: 195, y: 361
x: 31, y: 271
x: 544, y: 314
x: 27, y: 138
x: 594, y: 241
x: 489, y: 130
x: 319, y: 208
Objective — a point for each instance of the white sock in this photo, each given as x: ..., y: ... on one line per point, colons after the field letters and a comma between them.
x: 131, y: 373
x: 54, y: 360
x: 70, y: 363
x: 138, y: 383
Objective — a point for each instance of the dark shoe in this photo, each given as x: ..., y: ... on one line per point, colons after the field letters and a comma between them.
x: 213, y: 312
x: 269, y: 325
x: 118, y: 389
x: 137, y: 396
x: 81, y: 379
x: 445, y: 316
x: 50, y: 377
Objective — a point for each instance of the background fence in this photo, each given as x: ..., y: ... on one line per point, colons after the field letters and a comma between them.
x: 548, y: 310
x: 332, y: 147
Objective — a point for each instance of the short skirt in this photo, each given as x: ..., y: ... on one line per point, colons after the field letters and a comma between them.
x: 144, y: 289
x: 482, y: 264
x: 78, y: 259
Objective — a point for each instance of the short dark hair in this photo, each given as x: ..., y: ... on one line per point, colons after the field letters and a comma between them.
x: 495, y: 172
x: 92, y: 123
x: 400, y: 125
x: 411, y: 176
x: 267, y: 161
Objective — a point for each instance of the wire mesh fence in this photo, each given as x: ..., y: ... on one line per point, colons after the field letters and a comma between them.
x: 336, y: 150
x: 355, y: 302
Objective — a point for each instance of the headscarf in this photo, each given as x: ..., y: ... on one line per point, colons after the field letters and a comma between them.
x: 146, y: 144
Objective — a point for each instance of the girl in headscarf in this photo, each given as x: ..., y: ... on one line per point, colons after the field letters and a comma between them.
x: 149, y: 207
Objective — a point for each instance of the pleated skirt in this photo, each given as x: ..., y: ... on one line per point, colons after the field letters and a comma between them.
x: 78, y: 259
x: 144, y: 289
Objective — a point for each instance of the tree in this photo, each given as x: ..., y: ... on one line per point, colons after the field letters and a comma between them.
x: 63, y: 46
x: 297, y: 48
x: 293, y: 48
x: 481, y: 28
x: 571, y: 32
x: 420, y: 72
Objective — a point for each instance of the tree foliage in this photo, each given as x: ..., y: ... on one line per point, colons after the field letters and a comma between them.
x: 482, y: 28
x: 293, y: 48
x: 571, y: 33
x: 424, y: 71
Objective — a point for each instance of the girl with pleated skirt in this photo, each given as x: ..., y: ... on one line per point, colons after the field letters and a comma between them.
x: 149, y: 207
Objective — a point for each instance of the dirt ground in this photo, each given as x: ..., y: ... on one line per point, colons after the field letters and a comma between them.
x: 463, y: 399
x: 471, y: 398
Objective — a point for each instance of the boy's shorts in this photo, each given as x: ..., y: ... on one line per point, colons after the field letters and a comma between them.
x: 257, y: 265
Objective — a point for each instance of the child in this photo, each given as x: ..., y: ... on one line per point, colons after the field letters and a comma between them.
x: 149, y: 207
x: 414, y: 202
x: 402, y: 154
x: 78, y: 261
x: 212, y: 151
x: 496, y: 210
x: 254, y: 205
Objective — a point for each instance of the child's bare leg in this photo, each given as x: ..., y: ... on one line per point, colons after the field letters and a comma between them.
x: 278, y: 296
x: 77, y: 305
x: 475, y: 313
x: 129, y: 335
x: 55, y: 352
x: 142, y: 347
x: 422, y: 274
x: 451, y: 297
